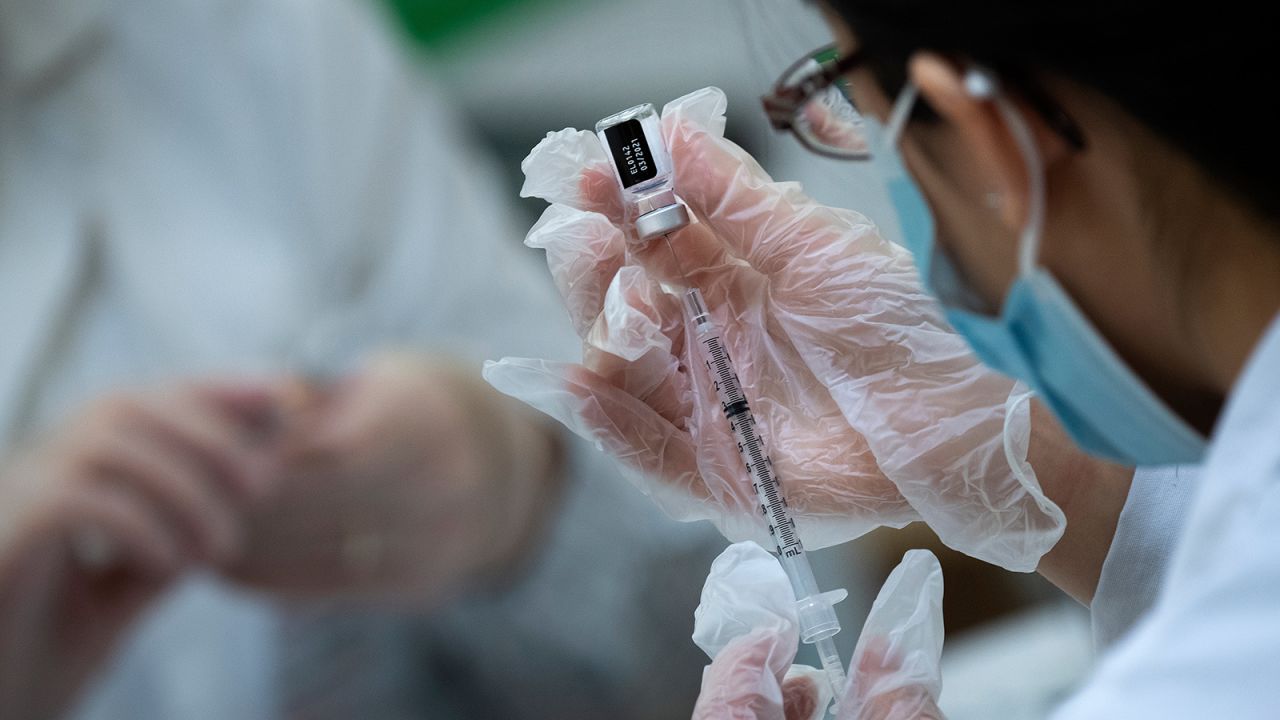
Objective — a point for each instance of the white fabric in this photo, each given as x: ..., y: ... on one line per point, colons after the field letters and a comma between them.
x: 1153, y: 516
x: 194, y: 186
x: 1210, y: 648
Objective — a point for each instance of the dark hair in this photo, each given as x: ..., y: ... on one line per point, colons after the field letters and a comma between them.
x: 1200, y: 79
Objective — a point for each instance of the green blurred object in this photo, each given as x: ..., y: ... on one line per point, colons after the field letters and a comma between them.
x: 433, y: 22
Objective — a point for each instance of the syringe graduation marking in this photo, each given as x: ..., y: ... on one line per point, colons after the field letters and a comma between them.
x: 819, y: 626
x: 742, y: 423
x: 751, y: 447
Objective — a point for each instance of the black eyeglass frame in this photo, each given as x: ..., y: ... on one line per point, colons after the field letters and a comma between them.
x: 787, y: 97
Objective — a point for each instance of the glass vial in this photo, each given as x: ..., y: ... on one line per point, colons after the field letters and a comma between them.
x: 642, y: 166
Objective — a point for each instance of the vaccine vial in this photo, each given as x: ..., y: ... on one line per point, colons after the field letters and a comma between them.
x: 642, y: 166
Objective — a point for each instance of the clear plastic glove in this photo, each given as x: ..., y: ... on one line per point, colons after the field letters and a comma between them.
x: 747, y: 624
x: 875, y: 411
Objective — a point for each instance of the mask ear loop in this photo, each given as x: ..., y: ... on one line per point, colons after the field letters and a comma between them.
x: 980, y: 83
x: 898, y: 117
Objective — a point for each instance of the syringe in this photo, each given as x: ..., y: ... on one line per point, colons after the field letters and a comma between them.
x: 814, y: 609
x: 643, y: 168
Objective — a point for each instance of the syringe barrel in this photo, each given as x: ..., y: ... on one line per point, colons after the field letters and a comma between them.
x: 742, y: 423
x: 816, y: 615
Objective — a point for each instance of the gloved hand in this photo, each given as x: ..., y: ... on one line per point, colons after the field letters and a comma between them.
x: 875, y: 411
x: 747, y: 624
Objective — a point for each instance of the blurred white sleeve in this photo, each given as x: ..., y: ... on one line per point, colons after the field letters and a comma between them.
x: 1153, y: 517
x: 424, y: 237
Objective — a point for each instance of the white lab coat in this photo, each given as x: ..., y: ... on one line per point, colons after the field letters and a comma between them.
x: 192, y: 186
x: 1153, y: 517
x: 1210, y: 645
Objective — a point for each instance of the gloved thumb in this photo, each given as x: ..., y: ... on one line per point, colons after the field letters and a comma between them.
x: 746, y: 622
x: 895, y: 670
x: 740, y: 683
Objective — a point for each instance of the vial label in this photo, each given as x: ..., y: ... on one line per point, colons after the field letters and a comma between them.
x: 631, y: 153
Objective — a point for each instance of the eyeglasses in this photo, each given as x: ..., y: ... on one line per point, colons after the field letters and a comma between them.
x: 811, y: 101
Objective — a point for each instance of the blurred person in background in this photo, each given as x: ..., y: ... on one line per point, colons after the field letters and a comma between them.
x: 196, y: 192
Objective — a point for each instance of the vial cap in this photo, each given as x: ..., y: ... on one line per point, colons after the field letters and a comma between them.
x: 662, y: 221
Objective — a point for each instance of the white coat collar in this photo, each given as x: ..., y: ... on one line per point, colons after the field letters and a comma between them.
x: 1255, y: 394
x: 1245, y: 447
x: 36, y: 35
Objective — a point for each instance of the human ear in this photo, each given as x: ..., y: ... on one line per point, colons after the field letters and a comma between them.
x: 976, y: 120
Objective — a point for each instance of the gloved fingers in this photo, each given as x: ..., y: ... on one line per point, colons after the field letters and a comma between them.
x: 896, y: 663
x: 735, y: 685
x: 767, y: 224
x: 654, y: 380
x: 587, y: 257
x: 697, y: 257
x: 635, y: 345
x: 894, y: 701
x: 741, y: 682
x: 704, y: 108
x: 585, y: 233
x: 746, y: 621
x: 598, y: 191
x: 637, y: 317
x: 570, y: 168
x: 584, y: 251
x: 660, y: 456
x: 946, y: 456
x: 770, y: 225
x: 644, y: 441
x: 806, y: 693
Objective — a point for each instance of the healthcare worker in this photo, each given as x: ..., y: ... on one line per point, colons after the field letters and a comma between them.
x: 193, y: 193
x: 1084, y: 225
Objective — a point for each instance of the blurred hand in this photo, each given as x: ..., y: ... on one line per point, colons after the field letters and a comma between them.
x: 102, y: 515
x: 747, y: 622
x: 409, y: 481
x: 876, y: 413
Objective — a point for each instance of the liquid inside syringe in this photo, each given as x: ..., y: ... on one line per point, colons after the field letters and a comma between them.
x: 742, y: 423
x: 818, y: 622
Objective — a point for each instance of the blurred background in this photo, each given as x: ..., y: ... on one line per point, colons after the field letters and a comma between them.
x: 594, y: 619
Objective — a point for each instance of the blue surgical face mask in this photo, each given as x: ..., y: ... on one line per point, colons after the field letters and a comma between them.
x: 1040, y: 336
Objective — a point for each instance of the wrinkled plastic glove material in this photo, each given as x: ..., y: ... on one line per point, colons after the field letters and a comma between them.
x: 875, y: 412
x: 746, y: 623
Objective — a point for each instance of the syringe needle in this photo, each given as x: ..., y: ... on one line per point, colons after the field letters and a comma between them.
x: 676, y: 258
